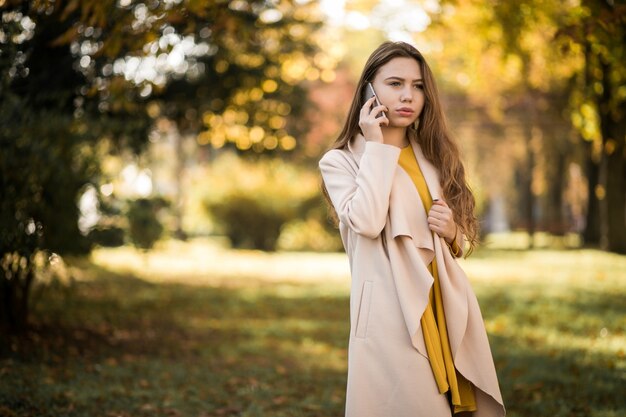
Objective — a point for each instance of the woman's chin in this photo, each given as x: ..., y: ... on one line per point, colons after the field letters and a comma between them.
x: 403, y: 122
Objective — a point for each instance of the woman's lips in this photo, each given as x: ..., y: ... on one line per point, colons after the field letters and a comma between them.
x: 405, y: 112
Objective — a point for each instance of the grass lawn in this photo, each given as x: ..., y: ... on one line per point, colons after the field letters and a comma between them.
x: 192, y: 329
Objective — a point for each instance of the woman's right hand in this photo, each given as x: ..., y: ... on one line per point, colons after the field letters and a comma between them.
x: 370, y: 124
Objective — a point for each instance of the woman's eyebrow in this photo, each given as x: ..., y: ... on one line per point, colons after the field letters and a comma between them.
x: 401, y: 79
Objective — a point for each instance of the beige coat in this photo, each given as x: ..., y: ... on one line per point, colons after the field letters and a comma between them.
x: 384, y: 230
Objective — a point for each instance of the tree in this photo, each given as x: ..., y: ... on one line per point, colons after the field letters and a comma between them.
x: 554, y: 69
x: 597, y: 30
x: 83, y: 78
x: 504, y: 96
x: 46, y: 159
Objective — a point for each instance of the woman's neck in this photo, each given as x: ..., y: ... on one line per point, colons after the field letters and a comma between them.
x: 395, y: 136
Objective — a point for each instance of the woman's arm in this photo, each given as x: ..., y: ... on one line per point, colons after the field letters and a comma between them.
x: 361, y: 199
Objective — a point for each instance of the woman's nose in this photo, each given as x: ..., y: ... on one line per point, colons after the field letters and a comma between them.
x: 406, y: 95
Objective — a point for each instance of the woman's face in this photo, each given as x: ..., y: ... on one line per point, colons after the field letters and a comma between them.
x: 399, y: 86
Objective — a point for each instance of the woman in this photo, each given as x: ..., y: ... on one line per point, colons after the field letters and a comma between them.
x: 418, y: 345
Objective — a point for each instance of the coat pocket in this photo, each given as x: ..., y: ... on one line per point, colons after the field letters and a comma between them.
x: 364, y: 310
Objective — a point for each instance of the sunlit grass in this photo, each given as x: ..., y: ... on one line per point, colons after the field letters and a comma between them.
x: 207, y: 262
x: 196, y: 329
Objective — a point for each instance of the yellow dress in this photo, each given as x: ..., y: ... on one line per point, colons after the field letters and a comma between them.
x: 434, y: 320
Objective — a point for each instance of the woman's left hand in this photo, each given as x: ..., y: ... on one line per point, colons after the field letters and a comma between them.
x: 441, y: 220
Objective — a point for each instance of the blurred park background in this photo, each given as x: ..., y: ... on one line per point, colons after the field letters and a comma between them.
x: 164, y: 247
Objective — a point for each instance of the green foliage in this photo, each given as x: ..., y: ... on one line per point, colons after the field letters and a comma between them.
x: 41, y: 173
x: 144, y: 226
x: 47, y: 127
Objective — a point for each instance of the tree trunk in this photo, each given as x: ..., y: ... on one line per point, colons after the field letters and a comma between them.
x: 591, y: 234
x: 15, y: 287
x: 555, y: 220
x: 614, y: 154
x: 178, y: 203
x: 527, y: 182
x: 612, y: 168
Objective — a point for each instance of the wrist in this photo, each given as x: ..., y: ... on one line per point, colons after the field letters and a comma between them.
x: 453, y: 238
x: 374, y: 139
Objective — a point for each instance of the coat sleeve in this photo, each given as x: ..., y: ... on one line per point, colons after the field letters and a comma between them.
x: 361, y: 198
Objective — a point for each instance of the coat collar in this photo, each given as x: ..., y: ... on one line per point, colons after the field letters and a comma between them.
x: 357, y: 147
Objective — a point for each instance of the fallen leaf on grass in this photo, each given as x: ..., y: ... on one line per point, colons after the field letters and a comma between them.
x: 225, y: 411
x: 6, y: 412
x: 279, y: 400
x: 147, y: 407
x: 528, y: 387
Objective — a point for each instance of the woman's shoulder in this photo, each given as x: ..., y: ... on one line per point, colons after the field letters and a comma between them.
x: 338, y: 161
x: 334, y: 156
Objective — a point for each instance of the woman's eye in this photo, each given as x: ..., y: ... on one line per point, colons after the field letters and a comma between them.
x: 394, y: 83
x: 419, y: 86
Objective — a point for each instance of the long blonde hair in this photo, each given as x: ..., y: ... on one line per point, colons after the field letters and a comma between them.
x: 431, y: 132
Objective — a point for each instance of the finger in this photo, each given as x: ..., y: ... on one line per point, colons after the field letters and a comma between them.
x: 435, y: 221
x: 366, y: 107
x: 435, y: 229
x: 440, y: 213
x: 378, y: 109
x: 369, y: 102
x: 443, y: 225
x: 440, y: 202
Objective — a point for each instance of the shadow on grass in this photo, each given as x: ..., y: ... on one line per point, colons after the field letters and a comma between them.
x: 537, y: 382
x: 551, y: 355
x: 118, y: 345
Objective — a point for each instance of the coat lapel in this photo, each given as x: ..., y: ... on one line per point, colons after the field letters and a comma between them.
x: 407, y: 216
x: 357, y: 146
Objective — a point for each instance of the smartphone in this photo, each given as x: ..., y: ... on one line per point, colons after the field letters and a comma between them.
x: 369, y: 93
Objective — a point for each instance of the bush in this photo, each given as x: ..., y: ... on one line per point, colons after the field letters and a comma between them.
x: 312, y: 230
x: 308, y: 235
x: 251, y: 202
x: 267, y: 204
x: 251, y: 221
x: 111, y: 236
x: 144, y: 226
